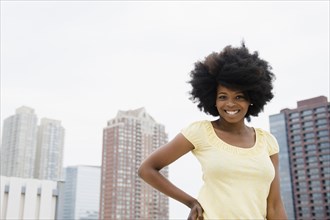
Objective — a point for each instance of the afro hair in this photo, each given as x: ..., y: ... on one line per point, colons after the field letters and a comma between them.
x: 234, y: 68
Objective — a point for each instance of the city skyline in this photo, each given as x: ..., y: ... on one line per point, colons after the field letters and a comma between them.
x: 81, y: 62
x: 30, y: 149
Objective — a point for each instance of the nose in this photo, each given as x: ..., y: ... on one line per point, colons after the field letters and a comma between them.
x: 230, y: 103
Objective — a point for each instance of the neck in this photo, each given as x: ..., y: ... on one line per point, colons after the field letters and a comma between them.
x: 238, y: 127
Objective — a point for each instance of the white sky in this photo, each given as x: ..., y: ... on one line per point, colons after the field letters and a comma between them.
x: 82, y: 61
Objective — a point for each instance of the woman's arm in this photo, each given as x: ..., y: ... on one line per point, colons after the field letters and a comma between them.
x: 163, y: 156
x: 275, y: 207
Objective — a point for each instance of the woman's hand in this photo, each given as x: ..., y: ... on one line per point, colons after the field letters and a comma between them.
x: 196, y: 212
x: 162, y: 157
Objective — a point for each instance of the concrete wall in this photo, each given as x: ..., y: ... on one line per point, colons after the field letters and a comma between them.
x: 27, y: 198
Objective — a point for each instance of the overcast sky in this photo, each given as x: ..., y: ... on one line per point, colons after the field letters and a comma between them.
x: 82, y: 61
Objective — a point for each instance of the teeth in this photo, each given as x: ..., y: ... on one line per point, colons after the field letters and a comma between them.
x: 232, y: 112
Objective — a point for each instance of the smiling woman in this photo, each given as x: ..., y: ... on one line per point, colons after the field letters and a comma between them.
x: 239, y: 163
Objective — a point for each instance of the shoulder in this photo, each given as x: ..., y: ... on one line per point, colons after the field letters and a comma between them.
x: 266, y: 134
x: 196, y: 131
x: 269, y: 140
x: 195, y: 126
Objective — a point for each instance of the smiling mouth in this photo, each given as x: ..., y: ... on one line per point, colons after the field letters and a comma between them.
x: 232, y: 112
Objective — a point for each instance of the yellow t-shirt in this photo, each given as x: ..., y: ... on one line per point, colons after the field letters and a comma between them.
x: 236, y: 180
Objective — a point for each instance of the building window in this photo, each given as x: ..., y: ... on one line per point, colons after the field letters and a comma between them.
x: 294, y: 142
x: 324, y: 150
x: 323, y: 133
x: 300, y: 173
x: 316, y: 196
x: 309, y: 135
x: 297, y: 148
x: 307, y: 112
x: 303, y: 196
x: 311, y: 159
x: 293, y: 120
x: 325, y: 157
x: 308, y: 117
x: 325, y: 163
x: 309, y: 140
x: 296, y: 137
x: 294, y: 114
x: 322, y: 126
x: 298, y: 154
x: 321, y: 121
x: 313, y: 171
x: 305, y: 211
x: 295, y: 131
x: 310, y: 147
x: 326, y: 184
x: 301, y: 178
x: 299, y: 160
x: 307, y: 124
x: 324, y: 144
x: 321, y: 115
x: 299, y: 166
x: 295, y: 126
x: 308, y: 129
x: 320, y: 109
x: 323, y: 138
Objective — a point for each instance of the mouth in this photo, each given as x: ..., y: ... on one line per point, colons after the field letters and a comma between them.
x: 231, y: 112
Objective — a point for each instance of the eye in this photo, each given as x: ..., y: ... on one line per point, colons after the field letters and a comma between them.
x: 222, y: 97
x: 240, y: 97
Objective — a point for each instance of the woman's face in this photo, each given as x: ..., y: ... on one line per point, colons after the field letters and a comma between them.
x: 232, y: 105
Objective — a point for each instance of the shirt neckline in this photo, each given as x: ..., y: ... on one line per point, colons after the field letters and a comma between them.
x: 216, y: 138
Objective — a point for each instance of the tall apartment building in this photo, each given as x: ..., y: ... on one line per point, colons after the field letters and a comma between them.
x: 127, y: 140
x: 79, y: 196
x: 19, y: 141
x: 49, y: 154
x: 303, y: 134
x: 29, y: 150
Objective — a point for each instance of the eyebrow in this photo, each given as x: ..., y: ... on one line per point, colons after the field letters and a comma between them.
x: 238, y: 92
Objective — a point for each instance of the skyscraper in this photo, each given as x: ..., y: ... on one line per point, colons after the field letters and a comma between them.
x: 278, y: 129
x: 304, y: 138
x: 29, y: 150
x: 49, y: 154
x: 127, y: 140
x: 19, y: 139
x: 80, y: 193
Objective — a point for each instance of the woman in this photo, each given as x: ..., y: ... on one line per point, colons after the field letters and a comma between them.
x: 239, y: 163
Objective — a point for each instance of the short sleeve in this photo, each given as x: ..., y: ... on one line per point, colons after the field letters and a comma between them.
x: 272, y: 144
x: 193, y: 133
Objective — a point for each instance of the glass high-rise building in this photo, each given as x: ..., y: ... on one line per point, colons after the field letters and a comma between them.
x: 19, y: 140
x: 80, y: 193
x: 29, y: 150
x: 278, y: 129
x: 303, y: 134
x: 127, y: 140
x: 49, y: 154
